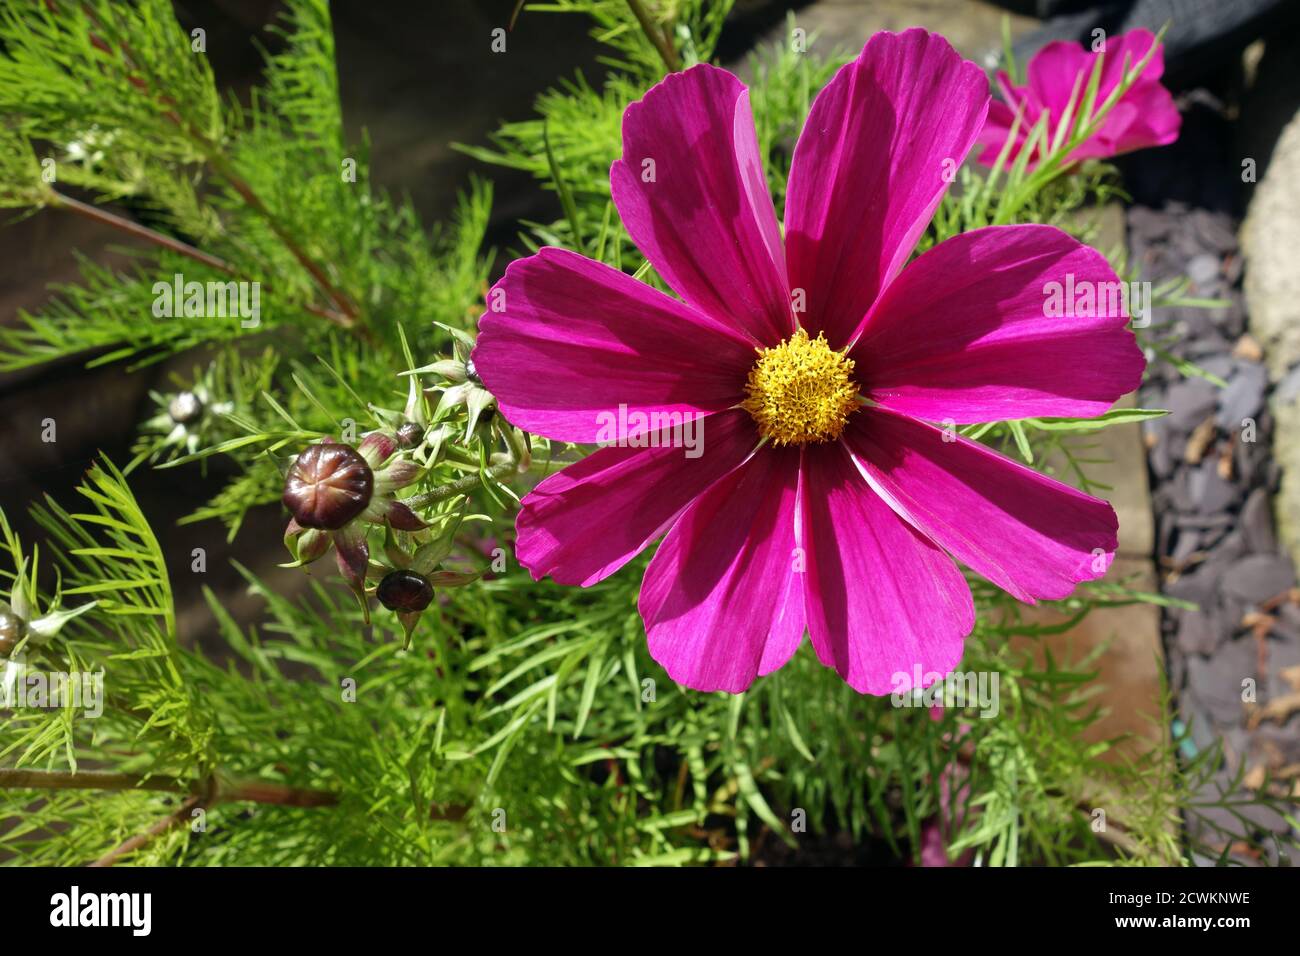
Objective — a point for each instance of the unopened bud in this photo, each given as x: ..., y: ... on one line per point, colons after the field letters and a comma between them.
x: 327, y: 486
x: 404, y: 591
x: 410, y: 434
x: 184, y: 408
x: 12, y: 630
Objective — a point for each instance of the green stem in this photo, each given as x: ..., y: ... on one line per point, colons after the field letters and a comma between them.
x: 216, y: 787
x: 518, y: 445
x: 86, y: 780
x: 253, y: 790
x: 226, y: 171
x: 460, y: 486
x: 519, y: 460
x: 58, y: 200
x: 223, y: 168
x: 181, y: 815
x: 666, y: 51
x: 208, y: 792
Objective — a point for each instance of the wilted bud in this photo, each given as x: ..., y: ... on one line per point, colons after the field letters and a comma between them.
x: 327, y: 486
x: 404, y: 591
x: 184, y: 408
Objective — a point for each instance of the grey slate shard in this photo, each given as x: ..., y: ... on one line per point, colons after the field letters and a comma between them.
x: 1203, y: 269
x: 1244, y: 396
x: 1257, y: 522
x: 1257, y: 578
x: 1216, y: 681
x: 1189, y: 402
x: 1196, y: 634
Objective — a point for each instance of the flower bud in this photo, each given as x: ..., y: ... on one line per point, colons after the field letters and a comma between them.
x: 185, y: 408
x: 410, y: 434
x: 404, y: 591
x: 13, y: 628
x: 310, y: 545
x: 327, y: 486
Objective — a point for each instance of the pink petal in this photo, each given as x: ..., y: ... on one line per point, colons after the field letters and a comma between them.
x: 884, y: 604
x: 1031, y: 535
x: 1133, y: 45
x: 1055, y: 69
x: 1001, y: 119
x: 586, y: 522
x: 1105, y: 142
x: 934, y: 848
x: 997, y: 127
x: 1144, y: 116
x: 1012, y: 94
x: 870, y: 168
x: 964, y: 333
x: 1156, y: 120
x: 723, y: 598
x: 567, y: 340
x: 692, y: 194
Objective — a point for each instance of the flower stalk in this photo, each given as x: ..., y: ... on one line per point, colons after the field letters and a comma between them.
x: 464, y: 485
x: 233, y: 789
x: 58, y: 200
x: 655, y: 36
x: 343, y: 305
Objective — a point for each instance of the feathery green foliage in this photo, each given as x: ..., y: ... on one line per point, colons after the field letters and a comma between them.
x: 525, y: 723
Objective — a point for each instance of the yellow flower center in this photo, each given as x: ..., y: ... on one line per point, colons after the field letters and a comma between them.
x: 801, y: 391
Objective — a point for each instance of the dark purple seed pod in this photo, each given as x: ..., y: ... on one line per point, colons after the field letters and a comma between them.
x: 327, y: 486
x: 409, y: 434
x: 404, y: 591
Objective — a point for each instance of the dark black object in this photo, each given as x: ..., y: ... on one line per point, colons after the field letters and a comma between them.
x: 409, y: 434
x: 404, y: 591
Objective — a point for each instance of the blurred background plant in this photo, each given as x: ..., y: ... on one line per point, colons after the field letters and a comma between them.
x: 521, y: 722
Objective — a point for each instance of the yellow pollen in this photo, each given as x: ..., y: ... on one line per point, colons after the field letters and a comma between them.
x: 801, y: 391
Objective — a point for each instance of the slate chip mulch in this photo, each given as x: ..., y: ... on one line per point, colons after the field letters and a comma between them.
x: 1213, y: 480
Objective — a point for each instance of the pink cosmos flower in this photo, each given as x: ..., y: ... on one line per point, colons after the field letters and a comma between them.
x: 823, y: 501
x: 1144, y: 116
